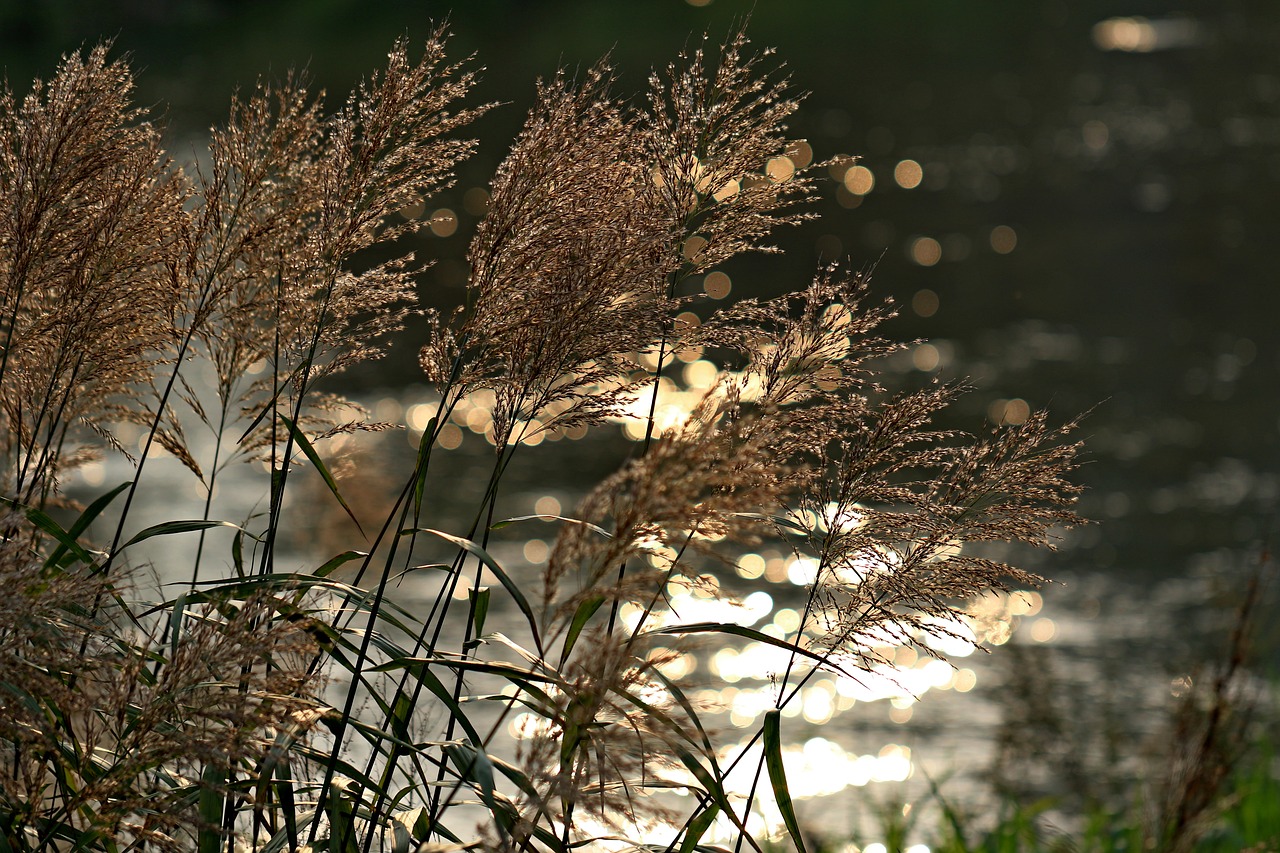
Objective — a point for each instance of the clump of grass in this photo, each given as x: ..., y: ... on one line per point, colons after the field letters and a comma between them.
x: 214, y: 300
x: 1206, y: 782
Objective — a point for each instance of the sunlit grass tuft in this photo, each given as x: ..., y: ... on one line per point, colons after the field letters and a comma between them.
x: 548, y: 703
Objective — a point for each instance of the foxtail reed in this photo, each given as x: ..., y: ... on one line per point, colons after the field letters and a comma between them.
x: 273, y: 709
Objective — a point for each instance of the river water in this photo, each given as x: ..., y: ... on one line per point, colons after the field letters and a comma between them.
x: 1073, y: 205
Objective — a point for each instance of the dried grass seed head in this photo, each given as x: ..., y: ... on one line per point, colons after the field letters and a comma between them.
x: 294, y: 197
x: 710, y: 137
x: 569, y: 266
x: 90, y: 219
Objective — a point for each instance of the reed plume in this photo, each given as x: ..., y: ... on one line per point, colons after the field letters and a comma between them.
x: 90, y: 214
x: 569, y: 268
x: 715, y: 139
x: 290, y: 198
x: 110, y: 731
x: 192, y: 722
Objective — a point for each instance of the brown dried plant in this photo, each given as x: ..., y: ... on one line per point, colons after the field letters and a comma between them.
x: 715, y: 140
x: 569, y: 268
x: 802, y: 446
x: 90, y: 215
x: 110, y: 732
x: 189, y: 722
x: 290, y: 197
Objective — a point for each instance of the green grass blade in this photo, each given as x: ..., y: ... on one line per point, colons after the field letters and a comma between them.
x: 692, y: 712
x: 750, y: 634
x: 342, y: 821
x: 82, y: 523
x: 284, y: 841
x: 474, y: 765
x: 952, y: 817
x: 714, y: 789
x: 341, y: 559
x: 778, y: 775
x: 237, y: 553
x: 777, y: 520
x: 581, y: 616
x: 479, y: 608
x: 527, y: 680
x: 176, y: 617
x: 316, y: 462
x: 428, y: 679
x: 401, y: 710
x: 420, y: 472
x: 497, y: 525
x: 170, y: 528
x: 43, y: 521
x: 212, y: 781
x: 288, y: 803
x: 487, y: 559
x: 698, y: 827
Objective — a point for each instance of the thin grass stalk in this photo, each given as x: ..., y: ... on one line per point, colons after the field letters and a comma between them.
x: 486, y: 507
x: 506, y: 451
x: 522, y: 394
x: 644, y: 447
x: 206, y: 511
x: 374, y: 610
x: 362, y: 657
x: 402, y: 508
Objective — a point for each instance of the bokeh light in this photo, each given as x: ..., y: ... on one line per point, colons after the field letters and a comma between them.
x: 908, y: 174
x: 925, y: 251
x: 925, y: 358
x: 1003, y: 239
x: 717, y: 285
x: 925, y: 303
x: 444, y: 222
x: 450, y: 437
x: 780, y: 169
x: 414, y: 210
x: 1009, y: 412
x: 859, y: 180
x: 475, y: 201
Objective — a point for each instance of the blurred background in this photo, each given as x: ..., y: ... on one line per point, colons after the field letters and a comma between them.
x: 1073, y: 201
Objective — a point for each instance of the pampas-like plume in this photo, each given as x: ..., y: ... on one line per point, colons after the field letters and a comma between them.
x: 569, y: 267
x: 717, y: 146
x: 185, y: 723
x: 90, y: 215
x: 290, y: 198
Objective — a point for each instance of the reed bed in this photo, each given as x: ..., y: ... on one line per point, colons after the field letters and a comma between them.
x: 271, y: 707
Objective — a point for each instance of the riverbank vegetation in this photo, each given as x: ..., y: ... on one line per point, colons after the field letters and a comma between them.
x: 196, y: 314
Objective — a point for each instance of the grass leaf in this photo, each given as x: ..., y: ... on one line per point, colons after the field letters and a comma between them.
x: 170, y: 528
x: 43, y: 521
x: 420, y: 471
x: 473, y: 765
x: 487, y: 559
x: 479, y: 608
x: 498, y: 525
x: 334, y: 562
x: 581, y: 616
x: 82, y: 523
x: 778, y: 775
x: 342, y: 823
x: 212, y: 803
x: 751, y: 634
x: 316, y: 462
x: 698, y: 827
